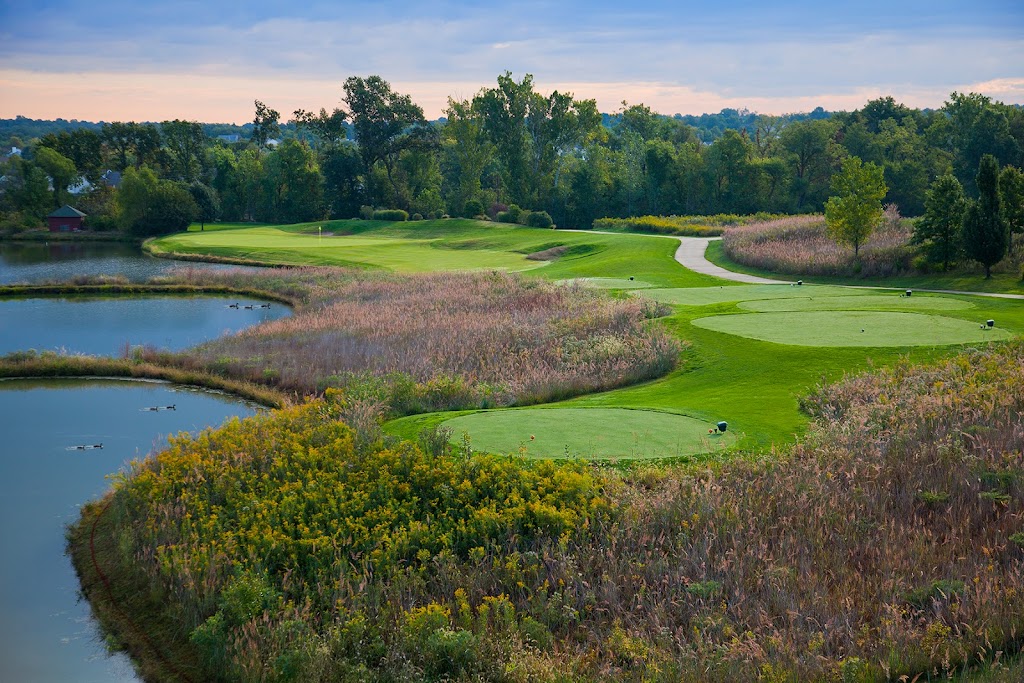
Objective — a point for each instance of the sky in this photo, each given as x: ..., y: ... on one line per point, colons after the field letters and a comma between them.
x: 154, y: 60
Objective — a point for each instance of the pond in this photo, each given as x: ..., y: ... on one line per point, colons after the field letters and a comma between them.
x: 46, y: 633
x: 106, y: 325
x: 28, y: 262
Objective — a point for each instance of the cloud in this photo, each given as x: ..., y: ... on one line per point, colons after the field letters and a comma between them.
x: 658, y: 52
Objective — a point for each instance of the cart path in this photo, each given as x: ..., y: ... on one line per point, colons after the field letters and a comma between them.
x: 691, y: 254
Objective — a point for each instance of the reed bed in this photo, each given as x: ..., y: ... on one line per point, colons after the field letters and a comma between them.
x: 444, y: 341
x: 801, y: 245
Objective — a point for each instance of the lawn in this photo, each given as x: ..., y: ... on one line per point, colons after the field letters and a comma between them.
x: 451, y: 244
x: 754, y: 350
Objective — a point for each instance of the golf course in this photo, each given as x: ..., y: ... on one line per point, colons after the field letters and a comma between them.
x: 749, y: 352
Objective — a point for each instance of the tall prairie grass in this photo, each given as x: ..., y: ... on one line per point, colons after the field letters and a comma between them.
x: 888, y: 545
x: 443, y: 341
x: 801, y: 245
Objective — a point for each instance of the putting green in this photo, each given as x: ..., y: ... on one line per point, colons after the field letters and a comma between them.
x: 590, y: 433
x: 851, y: 328
x: 868, y: 302
x: 704, y: 296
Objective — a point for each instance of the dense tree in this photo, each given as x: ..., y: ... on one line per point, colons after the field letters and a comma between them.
x: 207, y: 203
x: 25, y: 190
x: 812, y: 156
x: 185, y: 141
x: 292, y: 185
x: 343, y: 188
x: 938, y: 231
x: 467, y: 150
x: 855, y: 208
x: 986, y: 238
x: 1011, y: 198
x: 150, y: 206
x: 327, y: 128
x: 977, y: 127
x: 61, y: 170
x: 266, y: 125
x: 387, y: 124
x: 82, y: 146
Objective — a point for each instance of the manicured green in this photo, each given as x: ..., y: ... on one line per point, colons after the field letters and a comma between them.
x: 865, y: 302
x: 852, y: 328
x: 702, y: 296
x: 450, y: 244
x: 591, y: 433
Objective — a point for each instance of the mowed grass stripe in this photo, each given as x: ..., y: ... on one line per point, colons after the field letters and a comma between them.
x: 868, y: 302
x: 852, y: 328
x: 587, y: 433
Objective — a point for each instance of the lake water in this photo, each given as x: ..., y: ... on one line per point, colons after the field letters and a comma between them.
x: 105, y: 325
x: 28, y: 262
x: 46, y: 633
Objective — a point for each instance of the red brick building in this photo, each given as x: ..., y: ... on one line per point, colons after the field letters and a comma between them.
x: 65, y: 219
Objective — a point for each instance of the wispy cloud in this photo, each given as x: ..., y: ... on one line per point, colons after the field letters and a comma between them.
x: 673, y: 56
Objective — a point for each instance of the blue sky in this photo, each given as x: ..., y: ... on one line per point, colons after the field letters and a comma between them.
x: 209, y: 60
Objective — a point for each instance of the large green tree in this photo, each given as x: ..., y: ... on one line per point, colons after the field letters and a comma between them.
x: 266, y: 125
x: 938, y: 231
x: 1011, y: 198
x: 61, y: 170
x: 467, y: 151
x: 986, y: 238
x: 186, y: 141
x: 855, y: 208
x: 207, y: 203
x: 387, y: 124
x: 293, y: 184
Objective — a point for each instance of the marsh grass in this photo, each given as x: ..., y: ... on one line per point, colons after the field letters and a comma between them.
x: 801, y: 245
x: 442, y: 341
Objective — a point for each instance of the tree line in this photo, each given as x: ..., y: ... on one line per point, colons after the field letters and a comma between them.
x: 509, y: 145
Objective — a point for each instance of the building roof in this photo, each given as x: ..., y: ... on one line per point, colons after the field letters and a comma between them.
x: 66, y: 212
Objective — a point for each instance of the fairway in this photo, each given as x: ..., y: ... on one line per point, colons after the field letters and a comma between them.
x: 588, y: 433
x: 868, y: 302
x: 851, y: 328
x: 406, y: 255
x: 608, y: 282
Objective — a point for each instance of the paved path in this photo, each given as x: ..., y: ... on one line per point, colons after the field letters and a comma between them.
x: 691, y: 254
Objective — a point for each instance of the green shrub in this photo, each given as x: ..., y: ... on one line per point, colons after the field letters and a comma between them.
x: 473, y: 208
x: 512, y: 215
x: 539, y: 219
x: 417, y: 217
x: 944, y: 589
x: 366, y: 212
x: 390, y: 215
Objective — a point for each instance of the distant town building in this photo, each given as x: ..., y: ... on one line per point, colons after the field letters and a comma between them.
x: 111, y: 178
x: 230, y: 139
x: 65, y: 219
x: 80, y: 187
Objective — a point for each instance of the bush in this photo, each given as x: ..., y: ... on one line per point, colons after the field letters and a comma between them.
x: 473, y: 208
x: 495, y: 208
x: 390, y: 215
x: 539, y: 219
x: 366, y: 212
x: 417, y: 217
x: 511, y: 215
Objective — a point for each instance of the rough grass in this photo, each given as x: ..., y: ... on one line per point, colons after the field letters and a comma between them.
x: 441, y: 341
x: 801, y: 245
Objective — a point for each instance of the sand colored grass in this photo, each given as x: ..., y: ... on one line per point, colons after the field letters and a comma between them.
x: 587, y: 433
x: 852, y: 328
